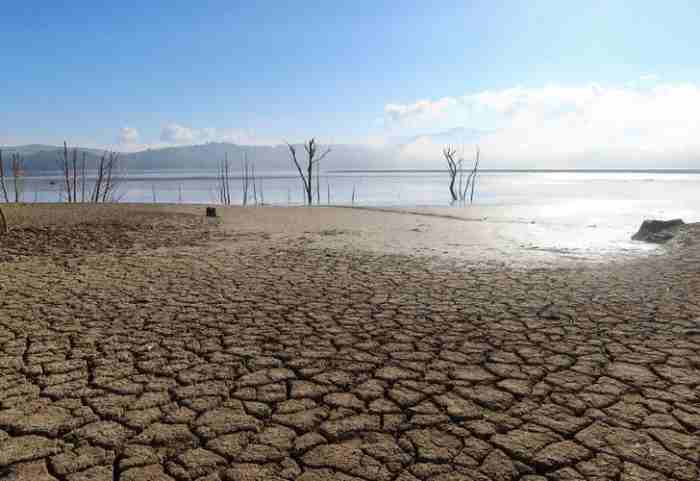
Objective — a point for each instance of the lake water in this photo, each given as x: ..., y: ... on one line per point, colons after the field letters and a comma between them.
x: 559, y: 197
x: 575, y: 212
x: 394, y: 188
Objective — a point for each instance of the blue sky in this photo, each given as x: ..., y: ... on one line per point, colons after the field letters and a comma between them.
x: 133, y: 74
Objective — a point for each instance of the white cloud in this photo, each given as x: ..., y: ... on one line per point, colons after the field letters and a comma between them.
x: 563, y: 125
x: 174, y: 133
x: 420, y: 110
x: 178, y: 134
x: 128, y: 135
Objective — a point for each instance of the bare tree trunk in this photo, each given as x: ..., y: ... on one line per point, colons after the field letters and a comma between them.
x: 318, y: 183
x: 3, y: 219
x: 75, y: 174
x: 17, y: 173
x: 245, y: 178
x: 475, y: 173
x: 227, y: 177
x: 310, y: 174
x: 255, y: 191
x: 98, y: 180
x: 107, y: 191
x: 3, y: 187
x: 66, y: 174
x: 83, y: 176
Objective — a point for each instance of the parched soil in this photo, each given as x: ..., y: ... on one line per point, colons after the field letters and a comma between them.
x: 158, y: 347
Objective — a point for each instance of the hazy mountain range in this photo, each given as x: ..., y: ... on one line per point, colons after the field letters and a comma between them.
x: 396, y: 153
x: 46, y: 157
x: 410, y: 152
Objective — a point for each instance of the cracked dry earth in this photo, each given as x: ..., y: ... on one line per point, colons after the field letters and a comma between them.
x: 196, y: 354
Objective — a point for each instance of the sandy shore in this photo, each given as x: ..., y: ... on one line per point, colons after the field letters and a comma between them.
x: 143, y: 343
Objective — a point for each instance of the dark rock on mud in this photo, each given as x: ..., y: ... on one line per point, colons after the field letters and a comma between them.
x: 658, y: 231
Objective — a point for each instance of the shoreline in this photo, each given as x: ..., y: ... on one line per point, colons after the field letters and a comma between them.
x: 511, y: 235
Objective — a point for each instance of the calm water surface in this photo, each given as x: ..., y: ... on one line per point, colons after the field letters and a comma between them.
x: 580, y: 212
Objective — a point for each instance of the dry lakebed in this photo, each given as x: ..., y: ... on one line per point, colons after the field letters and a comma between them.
x: 147, y: 343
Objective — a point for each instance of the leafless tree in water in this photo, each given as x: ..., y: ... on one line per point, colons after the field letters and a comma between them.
x: 17, y: 172
x: 3, y: 190
x: 224, y: 182
x: 455, y: 169
x: 452, y: 169
x: 472, y: 175
x: 245, y: 179
x: 74, y: 186
x: 106, y: 182
x: 69, y: 174
x: 83, y: 176
x: 306, y: 174
x: 3, y: 187
x: 255, y: 189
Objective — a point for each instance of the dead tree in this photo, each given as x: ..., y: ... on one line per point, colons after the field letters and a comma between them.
x: 313, y: 159
x: 6, y: 199
x: 111, y: 181
x: 224, y: 181
x: 473, y: 174
x: 73, y: 174
x: 17, y: 166
x: 245, y: 178
x: 106, y: 181
x: 252, y: 180
x: 452, y: 169
x: 83, y: 177
x: 17, y: 173
x: 456, y: 171
x: 64, y: 164
x: 3, y: 187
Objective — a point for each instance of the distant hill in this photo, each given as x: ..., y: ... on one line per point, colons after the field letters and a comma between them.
x: 208, y: 156
x: 420, y: 151
x: 45, y: 157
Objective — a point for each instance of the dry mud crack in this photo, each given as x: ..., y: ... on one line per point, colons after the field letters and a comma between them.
x: 154, y: 352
